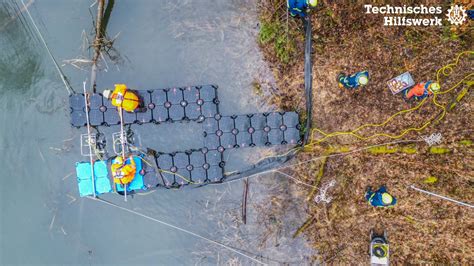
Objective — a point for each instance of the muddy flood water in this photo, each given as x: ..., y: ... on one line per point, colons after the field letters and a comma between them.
x: 161, y: 44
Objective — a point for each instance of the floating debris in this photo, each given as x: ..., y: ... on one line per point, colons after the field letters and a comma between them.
x: 68, y: 175
x: 72, y: 199
x: 52, y: 222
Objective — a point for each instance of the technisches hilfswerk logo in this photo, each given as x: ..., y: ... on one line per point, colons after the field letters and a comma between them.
x: 457, y: 15
x: 403, y: 15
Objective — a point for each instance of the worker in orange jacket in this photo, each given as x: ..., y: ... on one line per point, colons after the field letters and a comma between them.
x: 122, y: 97
x: 123, y: 172
x: 421, y: 90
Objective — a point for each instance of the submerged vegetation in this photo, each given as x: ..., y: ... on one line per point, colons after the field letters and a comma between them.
x: 420, y: 228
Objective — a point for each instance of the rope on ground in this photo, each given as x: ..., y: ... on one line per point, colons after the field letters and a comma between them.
x: 296, y: 180
x: 178, y: 228
x: 445, y: 70
x: 319, y: 158
x: 61, y: 74
x: 442, y: 197
x: 353, y: 151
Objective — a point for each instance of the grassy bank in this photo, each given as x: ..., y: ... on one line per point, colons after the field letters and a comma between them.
x: 421, y: 229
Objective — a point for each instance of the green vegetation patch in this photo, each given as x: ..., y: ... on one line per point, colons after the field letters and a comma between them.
x: 439, y: 150
x: 275, y: 33
x: 466, y: 142
x: 383, y: 150
x: 431, y: 180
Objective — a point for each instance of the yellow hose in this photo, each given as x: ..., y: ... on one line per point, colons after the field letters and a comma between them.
x: 445, y: 70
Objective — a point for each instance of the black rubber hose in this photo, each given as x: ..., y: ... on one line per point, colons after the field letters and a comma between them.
x: 308, y: 78
x: 276, y: 161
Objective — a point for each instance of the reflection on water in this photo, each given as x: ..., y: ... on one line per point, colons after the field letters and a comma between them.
x: 173, y: 43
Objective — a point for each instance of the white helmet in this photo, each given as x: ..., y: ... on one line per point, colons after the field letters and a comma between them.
x: 312, y: 3
x: 107, y: 93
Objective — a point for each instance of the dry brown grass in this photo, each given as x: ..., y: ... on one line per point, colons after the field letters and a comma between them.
x: 345, y: 39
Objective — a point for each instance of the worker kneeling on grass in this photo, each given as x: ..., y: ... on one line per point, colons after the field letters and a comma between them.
x: 380, y: 198
x: 123, y: 172
x: 422, y: 90
x: 353, y: 81
x: 122, y: 97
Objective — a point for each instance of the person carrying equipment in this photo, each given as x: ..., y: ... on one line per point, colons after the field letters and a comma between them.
x: 123, y: 172
x: 353, y: 81
x: 300, y: 7
x: 123, y: 98
x: 380, y: 198
x: 379, y: 249
x: 421, y: 90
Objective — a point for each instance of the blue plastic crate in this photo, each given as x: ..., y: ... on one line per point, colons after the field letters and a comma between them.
x: 84, y: 178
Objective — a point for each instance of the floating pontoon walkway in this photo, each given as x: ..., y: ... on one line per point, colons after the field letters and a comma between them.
x: 199, y: 104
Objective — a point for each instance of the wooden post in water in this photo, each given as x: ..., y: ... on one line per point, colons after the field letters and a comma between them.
x: 97, y: 42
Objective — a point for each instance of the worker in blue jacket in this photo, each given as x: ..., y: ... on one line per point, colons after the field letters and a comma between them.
x: 300, y: 7
x: 380, y: 198
x: 353, y: 81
